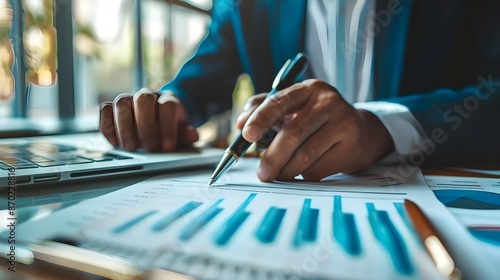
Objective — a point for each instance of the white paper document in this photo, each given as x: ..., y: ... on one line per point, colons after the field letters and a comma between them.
x: 475, y: 202
x: 345, y: 227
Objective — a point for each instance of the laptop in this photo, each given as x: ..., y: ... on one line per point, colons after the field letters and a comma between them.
x: 72, y: 158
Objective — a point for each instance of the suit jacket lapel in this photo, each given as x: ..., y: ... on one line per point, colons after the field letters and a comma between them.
x: 287, y: 29
x: 389, y: 46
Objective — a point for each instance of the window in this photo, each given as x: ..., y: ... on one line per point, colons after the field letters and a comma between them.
x: 102, y: 48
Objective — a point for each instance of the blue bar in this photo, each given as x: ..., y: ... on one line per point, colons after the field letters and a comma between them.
x: 199, y: 222
x: 308, y: 224
x: 270, y: 225
x: 234, y: 222
x: 123, y: 227
x: 311, y: 228
x: 352, y: 244
x: 230, y: 227
x: 371, y: 208
x: 246, y: 202
x: 172, y: 217
x: 387, y: 234
x: 344, y: 228
x: 337, y: 204
x: 401, y: 210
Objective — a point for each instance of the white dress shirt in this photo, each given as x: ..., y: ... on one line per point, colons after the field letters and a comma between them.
x: 341, y: 53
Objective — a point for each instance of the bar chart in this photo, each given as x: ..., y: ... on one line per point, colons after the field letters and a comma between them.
x: 343, y: 228
x: 245, y: 223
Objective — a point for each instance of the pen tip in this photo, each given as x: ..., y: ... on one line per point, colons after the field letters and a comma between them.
x: 210, y: 182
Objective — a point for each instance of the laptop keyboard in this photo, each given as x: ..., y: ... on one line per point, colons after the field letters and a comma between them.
x: 39, y: 155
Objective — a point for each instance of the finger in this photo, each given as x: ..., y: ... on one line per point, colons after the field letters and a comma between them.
x: 255, y: 100
x: 145, y: 120
x: 169, y: 123
x: 338, y: 158
x: 309, y: 152
x: 274, y: 109
x: 243, y: 117
x: 250, y: 106
x: 188, y: 134
x: 106, y: 123
x: 124, y: 122
x: 288, y: 140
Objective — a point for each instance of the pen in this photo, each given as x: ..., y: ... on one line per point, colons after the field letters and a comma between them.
x: 285, y: 78
x: 432, y: 242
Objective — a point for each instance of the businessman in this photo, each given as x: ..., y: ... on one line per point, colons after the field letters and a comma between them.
x: 389, y: 79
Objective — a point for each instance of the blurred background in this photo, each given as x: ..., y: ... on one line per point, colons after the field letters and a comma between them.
x: 67, y: 56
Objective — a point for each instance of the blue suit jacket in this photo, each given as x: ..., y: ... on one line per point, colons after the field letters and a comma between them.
x: 438, y: 58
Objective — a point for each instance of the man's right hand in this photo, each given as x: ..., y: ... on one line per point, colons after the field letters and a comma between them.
x: 155, y: 122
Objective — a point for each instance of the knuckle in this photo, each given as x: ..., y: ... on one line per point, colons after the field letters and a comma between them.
x: 276, y: 106
x: 107, y: 126
x: 106, y: 105
x: 251, y: 103
x: 330, y: 98
x: 255, y: 100
x: 123, y: 98
x: 314, y: 83
x: 251, y: 99
x: 141, y: 97
x: 325, y: 103
x: 122, y: 107
x: 306, y: 154
x: 279, y: 98
x: 308, y: 82
x: 293, y: 133
x: 168, y: 109
x: 167, y: 98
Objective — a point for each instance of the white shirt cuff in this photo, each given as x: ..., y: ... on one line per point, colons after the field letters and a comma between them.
x: 404, y: 129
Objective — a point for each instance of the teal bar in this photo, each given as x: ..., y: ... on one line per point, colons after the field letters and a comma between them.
x: 344, y: 228
x: 234, y: 222
x: 401, y: 210
x: 352, y: 244
x: 172, y: 217
x: 307, y: 226
x: 371, y: 208
x: 337, y: 204
x: 199, y: 222
x: 125, y: 226
x: 311, y: 227
x: 230, y: 227
x: 387, y: 234
x: 268, y: 229
x: 246, y: 202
